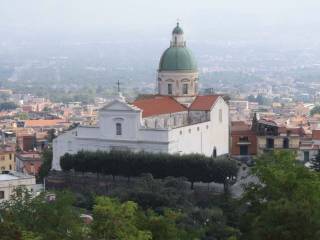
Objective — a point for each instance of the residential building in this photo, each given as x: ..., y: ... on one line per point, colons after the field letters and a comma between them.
x: 243, y: 140
x: 7, y: 159
x: 10, y: 181
x: 28, y: 162
x: 270, y: 136
x: 309, y: 147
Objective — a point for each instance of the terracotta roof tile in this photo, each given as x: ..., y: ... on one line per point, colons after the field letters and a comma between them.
x: 158, y: 105
x: 43, y: 122
x: 204, y: 103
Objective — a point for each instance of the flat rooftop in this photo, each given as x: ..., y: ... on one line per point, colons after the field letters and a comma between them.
x: 14, y: 176
x: 6, y: 177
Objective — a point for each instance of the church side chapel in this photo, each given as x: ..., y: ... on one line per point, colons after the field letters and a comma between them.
x: 175, y: 120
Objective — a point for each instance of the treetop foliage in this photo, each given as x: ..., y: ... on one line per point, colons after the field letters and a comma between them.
x: 285, y: 204
x: 4, y: 106
x: 315, y: 110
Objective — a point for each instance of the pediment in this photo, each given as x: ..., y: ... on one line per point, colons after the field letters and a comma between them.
x: 117, y: 105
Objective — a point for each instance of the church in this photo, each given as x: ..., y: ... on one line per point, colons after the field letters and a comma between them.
x: 177, y: 120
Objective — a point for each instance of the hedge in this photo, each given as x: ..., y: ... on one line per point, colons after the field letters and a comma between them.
x: 194, y: 167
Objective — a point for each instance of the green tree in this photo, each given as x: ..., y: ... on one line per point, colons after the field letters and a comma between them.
x: 34, y: 216
x: 46, y: 163
x: 315, y: 163
x: 285, y: 203
x: 251, y: 98
x: 23, y: 116
x: 262, y: 100
x: 162, y: 227
x: 7, y: 106
x: 194, y: 167
x: 51, y: 135
x: 67, y: 162
x: 31, y: 236
x: 10, y: 231
x: 115, y: 220
x: 46, y: 109
x: 315, y: 110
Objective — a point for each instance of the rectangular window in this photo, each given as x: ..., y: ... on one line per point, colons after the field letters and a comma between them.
x: 170, y: 88
x: 286, y: 143
x: 243, y: 139
x: 185, y: 88
x: 270, y: 143
x: 1, y: 194
x: 220, y: 115
x: 118, y: 129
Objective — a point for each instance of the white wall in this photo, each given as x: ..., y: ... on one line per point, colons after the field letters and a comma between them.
x: 220, y: 130
x: 203, y: 137
x: 191, y: 139
x: 152, y: 140
x: 196, y: 138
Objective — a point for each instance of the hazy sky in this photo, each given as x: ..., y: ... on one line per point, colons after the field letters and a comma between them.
x: 201, y: 18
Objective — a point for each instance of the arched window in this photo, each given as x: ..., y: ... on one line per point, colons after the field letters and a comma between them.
x: 286, y: 143
x: 214, y: 154
x: 169, y: 88
x: 220, y: 115
x: 118, y: 129
x: 185, y: 88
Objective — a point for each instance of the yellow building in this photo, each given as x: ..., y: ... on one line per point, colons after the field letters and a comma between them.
x: 7, y: 159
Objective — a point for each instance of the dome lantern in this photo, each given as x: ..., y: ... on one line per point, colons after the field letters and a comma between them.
x: 177, y: 37
x: 177, y: 29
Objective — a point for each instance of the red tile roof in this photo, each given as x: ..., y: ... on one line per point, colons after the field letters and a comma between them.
x: 268, y: 122
x: 159, y: 105
x: 43, y: 122
x: 204, y: 103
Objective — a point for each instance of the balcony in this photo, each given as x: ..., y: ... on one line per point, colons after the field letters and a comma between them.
x: 240, y: 143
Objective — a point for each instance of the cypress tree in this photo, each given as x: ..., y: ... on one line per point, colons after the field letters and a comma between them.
x: 315, y: 162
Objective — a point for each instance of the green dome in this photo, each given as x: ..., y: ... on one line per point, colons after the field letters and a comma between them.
x: 177, y: 58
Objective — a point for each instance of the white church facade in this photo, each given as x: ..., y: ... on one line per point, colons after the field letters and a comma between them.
x: 177, y: 120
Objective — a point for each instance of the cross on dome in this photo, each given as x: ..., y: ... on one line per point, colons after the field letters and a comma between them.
x: 118, y: 85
